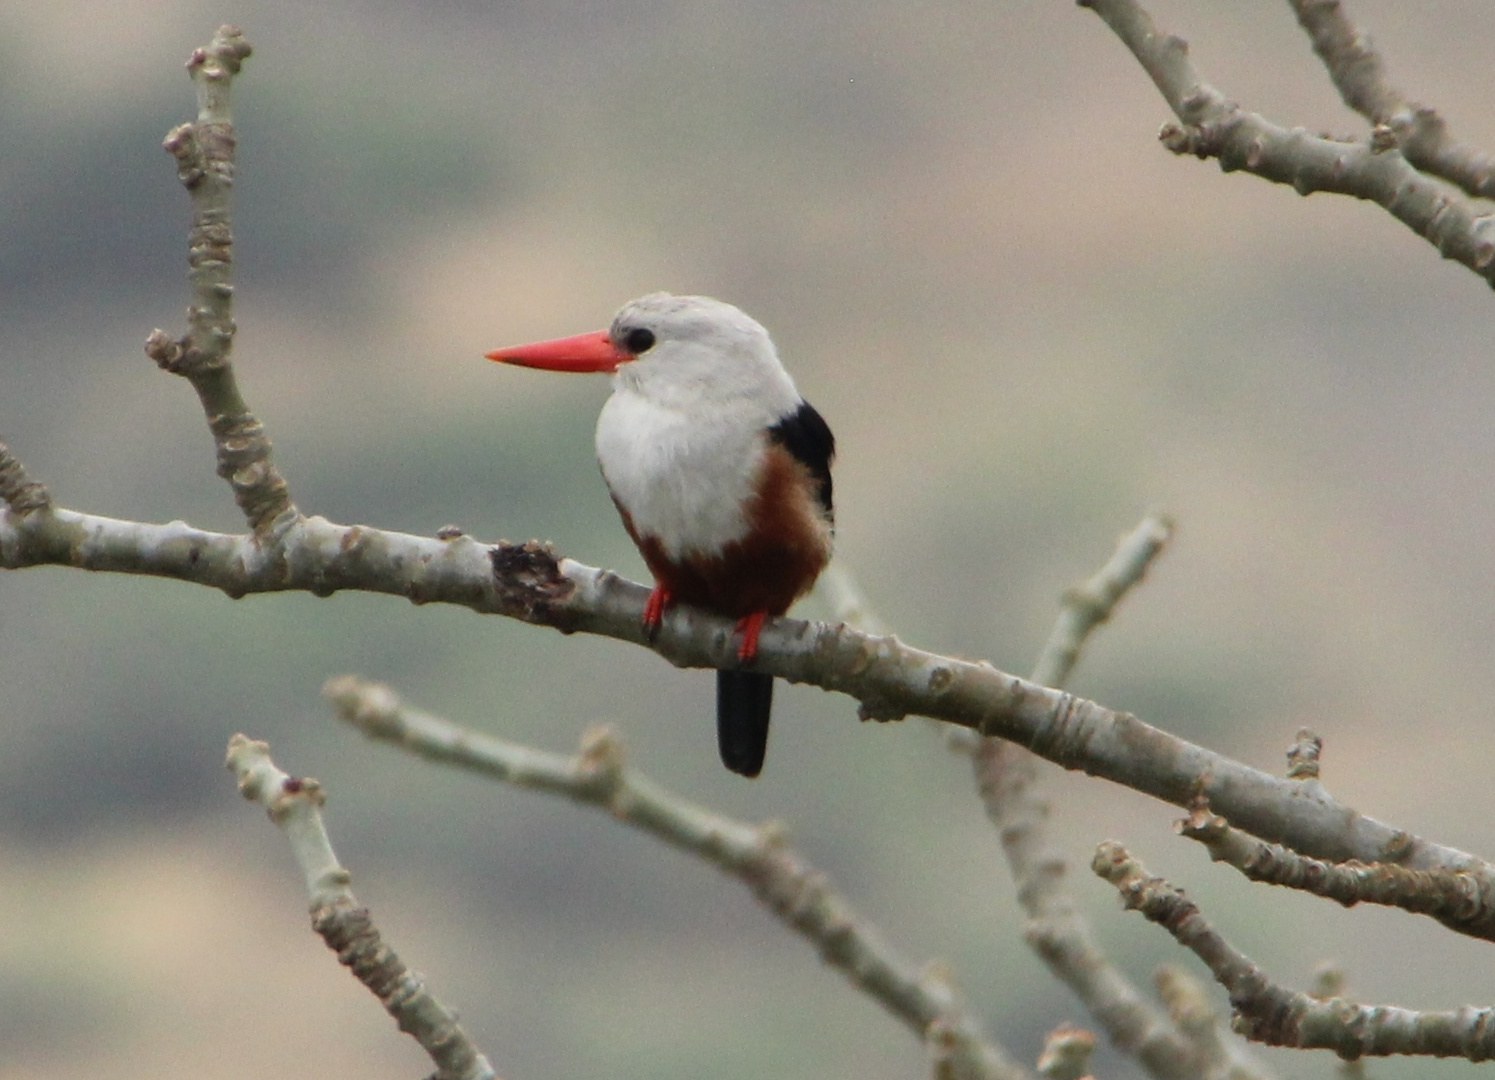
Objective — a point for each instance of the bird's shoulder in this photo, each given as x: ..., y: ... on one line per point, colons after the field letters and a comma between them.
x: 807, y: 437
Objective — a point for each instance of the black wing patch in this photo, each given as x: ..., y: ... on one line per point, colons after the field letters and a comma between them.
x: 807, y: 437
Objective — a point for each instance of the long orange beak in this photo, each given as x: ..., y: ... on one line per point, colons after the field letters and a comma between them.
x: 584, y: 352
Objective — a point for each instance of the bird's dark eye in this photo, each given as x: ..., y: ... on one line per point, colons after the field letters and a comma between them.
x: 638, y: 340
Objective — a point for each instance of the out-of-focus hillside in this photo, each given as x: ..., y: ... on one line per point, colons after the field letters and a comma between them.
x: 1027, y: 324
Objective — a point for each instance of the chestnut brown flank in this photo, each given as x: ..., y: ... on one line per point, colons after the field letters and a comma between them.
x: 788, y: 543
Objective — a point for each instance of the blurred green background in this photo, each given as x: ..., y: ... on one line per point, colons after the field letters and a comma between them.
x: 1027, y: 324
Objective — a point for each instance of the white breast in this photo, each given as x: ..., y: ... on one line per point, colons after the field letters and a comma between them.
x: 682, y: 478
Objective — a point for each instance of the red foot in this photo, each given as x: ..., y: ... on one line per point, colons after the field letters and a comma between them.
x: 749, y: 626
x: 654, y: 609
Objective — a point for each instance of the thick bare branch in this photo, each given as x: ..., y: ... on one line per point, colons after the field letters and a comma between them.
x: 889, y: 678
x: 1211, y: 126
x: 1359, y: 74
x: 204, y: 151
x: 1273, y: 1014
x: 757, y: 855
x: 295, y: 804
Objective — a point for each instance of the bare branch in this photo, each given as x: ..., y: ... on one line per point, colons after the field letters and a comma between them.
x: 1190, y: 1007
x: 1270, y: 1013
x: 1461, y: 901
x: 1303, y: 756
x: 1066, y: 1053
x: 204, y: 151
x: 1356, y: 67
x: 295, y: 804
x: 1058, y: 931
x: 1214, y: 127
x: 1090, y: 603
x: 756, y: 855
x: 892, y: 679
x: 1359, y: 75
x: 20, y: 493
x: 1006, y: 777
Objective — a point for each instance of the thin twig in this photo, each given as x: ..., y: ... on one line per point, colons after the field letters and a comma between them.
x: 1270, y: 1013
x: 1460, y: 901
x: 1089, y: 604
x: 204, y: 151
x: 757, y: 855
x: 1007, y: 775
x: 295, y: 804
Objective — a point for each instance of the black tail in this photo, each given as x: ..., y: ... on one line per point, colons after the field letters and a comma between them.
x: 743, y: 702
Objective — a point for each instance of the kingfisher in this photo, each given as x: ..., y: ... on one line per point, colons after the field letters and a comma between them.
x: 720, y: 471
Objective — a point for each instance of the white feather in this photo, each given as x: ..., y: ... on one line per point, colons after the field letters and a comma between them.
x: 681, y: 439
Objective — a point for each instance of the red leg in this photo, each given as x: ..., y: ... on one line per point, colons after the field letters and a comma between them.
x: 654, y: 609
x: 749, y: 626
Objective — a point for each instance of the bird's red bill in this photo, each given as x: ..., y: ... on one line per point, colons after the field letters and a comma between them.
x: 584, y: 352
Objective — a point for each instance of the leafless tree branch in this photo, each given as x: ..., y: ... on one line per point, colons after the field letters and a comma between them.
x: 757, y: 855
x: 889, y: 678
x: 1359, y: 74
x: 1007, y: 779
x: 295, y: 804
x: 1273, y: 1014
x: 1212, y: 126
x: 1460, y: 901
x: 204, y: 151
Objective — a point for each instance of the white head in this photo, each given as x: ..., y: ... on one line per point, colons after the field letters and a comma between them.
x: 695, y: 384
x: 685, y: 351
x: 688, y: 354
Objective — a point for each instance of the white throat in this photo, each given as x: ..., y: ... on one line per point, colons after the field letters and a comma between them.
x: 684, y: 478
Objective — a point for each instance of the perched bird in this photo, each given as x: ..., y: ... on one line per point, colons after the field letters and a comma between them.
x: 720, y: 470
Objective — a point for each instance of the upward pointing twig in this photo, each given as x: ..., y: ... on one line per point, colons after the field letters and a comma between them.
x: 295, y: 804
x: 17, y: 490
x: 1007, y: 776
x: 204, y: 151
x: 758, y: 855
